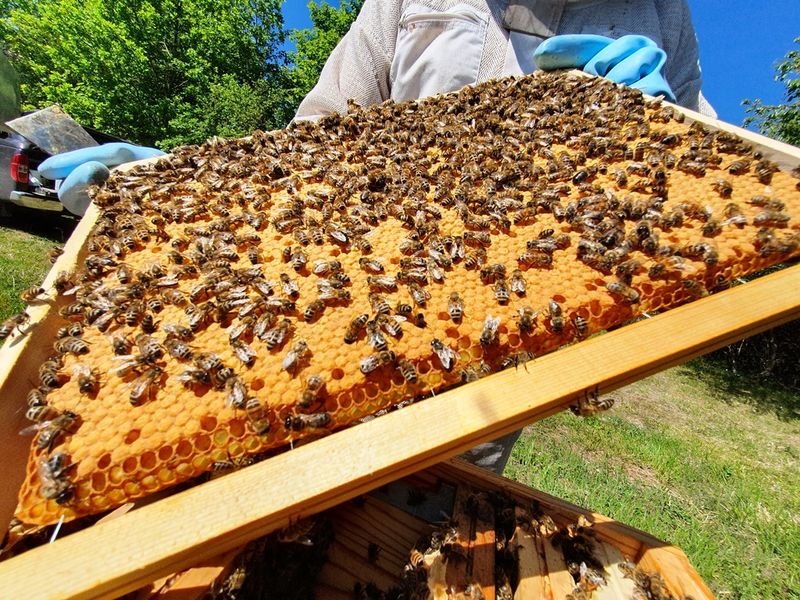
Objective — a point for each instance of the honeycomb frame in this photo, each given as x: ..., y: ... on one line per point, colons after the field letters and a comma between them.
x: 119, y: 451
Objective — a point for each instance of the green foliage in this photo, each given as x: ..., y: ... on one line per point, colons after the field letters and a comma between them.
x: 313, y: 46
x: 158, y: 72
x: 9, y: 90
x: 781, y: 121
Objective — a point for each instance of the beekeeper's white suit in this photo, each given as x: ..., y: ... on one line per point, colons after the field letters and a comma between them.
x: 404, y: 49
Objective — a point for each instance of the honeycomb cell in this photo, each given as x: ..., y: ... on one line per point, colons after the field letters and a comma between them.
x: 148, y: 461
x: 98, y: 482
x: 202, y: 443
x: 130, y: 464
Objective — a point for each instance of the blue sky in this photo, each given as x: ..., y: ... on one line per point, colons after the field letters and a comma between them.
x: 740, y: 43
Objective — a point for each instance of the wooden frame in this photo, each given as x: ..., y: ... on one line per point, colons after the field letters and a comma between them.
x: 118, y: 556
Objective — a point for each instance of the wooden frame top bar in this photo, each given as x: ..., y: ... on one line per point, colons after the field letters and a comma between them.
x: 120, y: 555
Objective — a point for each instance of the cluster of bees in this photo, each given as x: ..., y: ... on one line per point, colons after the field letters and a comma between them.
x: 421, y: 244
x: 426, y: 571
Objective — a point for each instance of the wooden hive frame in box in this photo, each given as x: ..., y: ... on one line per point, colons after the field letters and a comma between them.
x: 164, y: 537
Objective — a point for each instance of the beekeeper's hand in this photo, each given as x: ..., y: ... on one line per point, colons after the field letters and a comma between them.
x: 632, y: 60
x: 88, y: 166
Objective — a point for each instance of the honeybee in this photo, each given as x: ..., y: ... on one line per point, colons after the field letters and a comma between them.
x: 332, y: 295
x: 516, y: 359
x: 71, y: 345
x: 173, y: 296
x: 489, y: 332
x: 149, y: 347
x: 447, y: 356
x: 54, y: 253
x: 149, y: 324
x: 771, y: 218
x: 703, y: 250
x: 375, y: 338
x: 619, y: 288
x: 407, y: 370
x: 65, y: 283
x: 38, y: 409
x: 419, y: 276
x: 310, y: 421
x: 314, y: 310
x: 73, y: 329
x: 382, y: 283
x: 378, y: 359
x: 591, y: 404
x: 298, y: 258
x: 16, y: 322
x: 492, y: 273
x: 478, y: 239
x: 294, y: 357
x: 556, y: 317
x: 276, y: 336
x: 53, y: 478
x: 289, y: 286
x: 581, y: 326
x: 191, y: 376
x: 32, y: 294
x: 50, y: 431
x: 178, y: 331
x: 256, y: 416
x: 88, y: 379
x: 455, y: 307
x: 722, y: 186
x: 391, y: 324
x: 235, y: 392
x: 526, y: 318
x: 501, y: 291
x: 355, y: 327
x: 518, y: 284
x: 142, y: 385
x: 535, y: 259
x: 370, y: 265
x: 379, y: 304
x: 244, y: 352
x: 323, y: 267
x: 253, y: 255
x: 738, y: 167
x: 178, y: 349
x: 314, y: 385
x: 418, y: 294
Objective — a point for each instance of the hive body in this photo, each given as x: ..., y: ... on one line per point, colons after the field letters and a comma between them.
x: 474, y: 230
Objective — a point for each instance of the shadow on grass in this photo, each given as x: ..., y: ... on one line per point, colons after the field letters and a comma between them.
x: 56, y: 227
x: 763, y: 394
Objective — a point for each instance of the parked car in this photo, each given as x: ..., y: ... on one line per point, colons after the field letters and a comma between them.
x: 20, y: 182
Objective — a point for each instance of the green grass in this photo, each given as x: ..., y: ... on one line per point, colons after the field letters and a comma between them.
x: 687, y: 460
x: 25, y: 239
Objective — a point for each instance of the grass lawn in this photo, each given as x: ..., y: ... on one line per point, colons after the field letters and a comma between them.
x: 25, y: 239
x: 693, y: 461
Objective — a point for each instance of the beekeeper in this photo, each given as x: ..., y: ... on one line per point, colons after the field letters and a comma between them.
x: 407, y: 49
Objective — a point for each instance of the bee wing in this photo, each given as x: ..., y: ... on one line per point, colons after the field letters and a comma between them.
x: 32, y: 429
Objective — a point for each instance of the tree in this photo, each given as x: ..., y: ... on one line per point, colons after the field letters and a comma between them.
x: 781, y: 121
x: 161, y: 72
x: 773, y: 355
x: 313, y: 46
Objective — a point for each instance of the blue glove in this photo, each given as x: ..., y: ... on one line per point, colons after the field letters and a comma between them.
x: 632, y: 60
x: 89, y: 166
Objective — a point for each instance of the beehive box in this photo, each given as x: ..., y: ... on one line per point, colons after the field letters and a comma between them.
x: 123, y: 449
x: 454, y: 531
